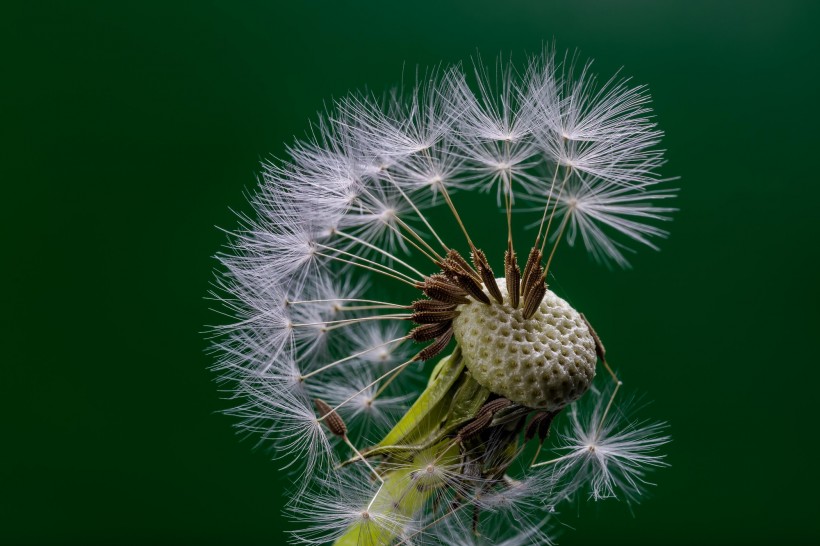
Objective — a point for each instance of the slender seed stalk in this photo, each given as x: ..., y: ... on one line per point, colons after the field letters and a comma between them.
x: 555, y: 246
x: 368, y: 261
x: 369, y: 268
x: 450, y: 204
x: 546, y: 208
x: 380, y: 251
x: 395, y: 370
x: 567, y: 173
x: 419, y: 214
x: 351, y: 357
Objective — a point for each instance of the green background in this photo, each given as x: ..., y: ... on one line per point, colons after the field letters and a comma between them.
x: 131, y: 128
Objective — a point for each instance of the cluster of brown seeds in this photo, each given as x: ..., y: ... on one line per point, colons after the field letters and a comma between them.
x: 458, y: 281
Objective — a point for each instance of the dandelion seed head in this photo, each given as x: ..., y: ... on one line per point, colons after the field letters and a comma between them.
x: 324, y: 352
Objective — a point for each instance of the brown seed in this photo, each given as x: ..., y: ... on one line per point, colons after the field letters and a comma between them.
x: 471, y: 287
x: 513, y: 276
x: 487, y: 275
x: 426, y: 332
x: 453, y: 271
x: 432, y: 317
x: 493, y: 406
x: 544, y: 426
x: 432, y: 305
x: 439, y: 287
x: 458, y: 259
x: 540, y: 425
x: 474, y: 427
x: 534, y: 298
x: 527, y: 285
x: 444, y: 280
x: 483, y: 417
x: 600, y: 351
x: 449, y: 268
x: 436, y: 347
x: 532, y: 268
x: 444, y: 294
x: 532, y: 426
x: 330, y: 418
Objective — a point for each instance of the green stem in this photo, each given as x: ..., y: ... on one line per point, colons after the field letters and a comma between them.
x: 412, y: 451
x: 404, y: 493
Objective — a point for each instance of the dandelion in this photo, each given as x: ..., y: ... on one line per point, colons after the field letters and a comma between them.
x: 410, y: 386
x: 608, y: 452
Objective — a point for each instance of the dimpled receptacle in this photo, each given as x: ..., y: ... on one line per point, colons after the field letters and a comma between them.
x: 543, y: 362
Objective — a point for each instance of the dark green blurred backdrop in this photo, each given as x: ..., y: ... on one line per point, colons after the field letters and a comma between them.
x: 131, y: 128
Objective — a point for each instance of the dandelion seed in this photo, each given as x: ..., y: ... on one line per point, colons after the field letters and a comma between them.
x: 609, y: 452
x: 604, y: 131
x: 368, y: 414
x: 599, y: 213
x: 344, y: 501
